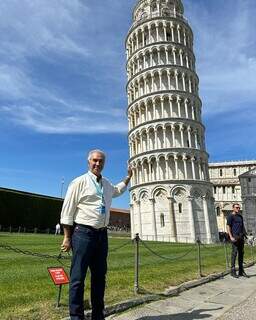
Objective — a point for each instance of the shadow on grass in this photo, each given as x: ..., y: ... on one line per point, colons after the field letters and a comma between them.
x: 193, y: 315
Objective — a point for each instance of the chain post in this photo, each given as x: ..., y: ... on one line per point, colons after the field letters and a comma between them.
x: 199, y: 258
x: 136, y: 275
x: 58, y: 296
x: 226, y: 253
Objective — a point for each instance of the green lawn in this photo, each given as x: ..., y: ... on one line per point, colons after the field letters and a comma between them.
x: 27, y: 291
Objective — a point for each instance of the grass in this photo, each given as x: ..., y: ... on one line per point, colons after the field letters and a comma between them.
x: 27, y: 291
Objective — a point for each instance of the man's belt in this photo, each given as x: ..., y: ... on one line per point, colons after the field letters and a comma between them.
x: 91, y: 228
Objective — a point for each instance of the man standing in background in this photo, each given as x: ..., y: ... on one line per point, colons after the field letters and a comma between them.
x: 237, y: 233
x: 85, y: 216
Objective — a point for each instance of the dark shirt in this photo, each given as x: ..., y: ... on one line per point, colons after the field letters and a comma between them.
x: 235, y: 221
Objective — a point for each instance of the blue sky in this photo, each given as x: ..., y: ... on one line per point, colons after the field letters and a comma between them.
x: 62, y: 86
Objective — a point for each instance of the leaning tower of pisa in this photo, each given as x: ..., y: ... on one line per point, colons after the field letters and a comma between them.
x: 171, y: 196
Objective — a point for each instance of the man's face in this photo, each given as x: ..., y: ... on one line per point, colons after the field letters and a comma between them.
x: 236, y: 208
x: 96, y: 163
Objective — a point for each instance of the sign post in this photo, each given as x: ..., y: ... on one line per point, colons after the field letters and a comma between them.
x: 59, y: 277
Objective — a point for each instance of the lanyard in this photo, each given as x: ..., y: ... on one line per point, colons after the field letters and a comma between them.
x: 99, y: 188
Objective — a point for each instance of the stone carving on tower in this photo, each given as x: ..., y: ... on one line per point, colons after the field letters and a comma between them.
x: 171, y: 196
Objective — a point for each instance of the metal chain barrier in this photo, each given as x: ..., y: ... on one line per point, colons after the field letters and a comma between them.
x: 34, y: 254
x: 120, y: 247
x: 209, y: 248
x: 166, y: 258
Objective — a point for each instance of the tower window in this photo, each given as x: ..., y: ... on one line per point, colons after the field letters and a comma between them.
x: 162, y: 220
x: 154, y: 6
x: 180, y: 207
x: 233, y: 189
x: 234, y: 172
x: 218, y: 211
x: 215, y: 190
x: 221, y: 172
x: 223, y: 190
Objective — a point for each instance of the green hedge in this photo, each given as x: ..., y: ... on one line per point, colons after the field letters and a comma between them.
x: 28, y: 210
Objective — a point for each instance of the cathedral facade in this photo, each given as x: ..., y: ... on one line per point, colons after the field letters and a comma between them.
x: 171, y: 195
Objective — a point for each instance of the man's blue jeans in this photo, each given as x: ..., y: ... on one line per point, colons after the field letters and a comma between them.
x: 90, y: 249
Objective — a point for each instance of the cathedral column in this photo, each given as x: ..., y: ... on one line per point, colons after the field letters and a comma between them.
x: 158, y: 175
x: 162, y: 107
x: 137, y: 40
x: 171, y: 107
x: 181, y: 58
x: 156, y: 142
x: 169, y: 79
x: 189, y: 136
x: 186, y: 107
x: 207, y: 221
x: 166, y: 56
x: 182, y: 135
x: 174, y: 56
x: 178, y: 30
x: 187, y: 62
x: 189, y: 85
x: 193, y: 168
x: 164, y: 137
x: 144, y: 60
x: 165, y: 32
x: 172, y: 31
x: 176, y: 167
x: 183, y: 81
x: 173, y: 136
x: 184, y: 158
x: 173, y: 228
x: 153, y: 82
x: 157, y: 32
x: 160, y: 80
x: 149, y: 34
x: 158, y: 56
x: 192, y: 219
x: 179, y: 110
x: 150, y: 58
x: 143, y: 37
x: 132, y: 220
x: 176, y: 80
x: 139, y: 218
x: 153, y: 219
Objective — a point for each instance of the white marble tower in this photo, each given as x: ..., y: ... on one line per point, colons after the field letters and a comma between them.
x: 171, y: 196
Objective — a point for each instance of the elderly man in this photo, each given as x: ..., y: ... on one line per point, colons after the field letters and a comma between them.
x: 85, y: 216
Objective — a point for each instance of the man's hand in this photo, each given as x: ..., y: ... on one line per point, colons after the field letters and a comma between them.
x: 129, y: 171
x: 66, y: 244
x: 232, y: 239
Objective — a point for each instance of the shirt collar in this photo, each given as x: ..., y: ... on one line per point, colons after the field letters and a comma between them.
x: 94, y: 177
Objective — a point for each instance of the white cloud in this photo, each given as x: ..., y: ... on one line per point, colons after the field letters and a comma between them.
x: 38, y: 27
x: 58, y: 32
x: 71, y: 119
x: 225, y: 51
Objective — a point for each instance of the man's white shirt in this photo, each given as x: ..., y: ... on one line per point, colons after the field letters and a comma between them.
x: 82, y: 201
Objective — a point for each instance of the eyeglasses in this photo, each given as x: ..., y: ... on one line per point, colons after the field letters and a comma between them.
x: 237, y: 207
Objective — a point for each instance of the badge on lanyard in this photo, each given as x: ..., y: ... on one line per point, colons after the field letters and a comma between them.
x: 99, y: 189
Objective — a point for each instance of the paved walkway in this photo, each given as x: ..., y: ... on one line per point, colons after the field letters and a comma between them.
x: 209, y: 301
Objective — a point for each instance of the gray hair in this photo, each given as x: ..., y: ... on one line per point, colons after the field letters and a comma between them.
x: 96, y: 151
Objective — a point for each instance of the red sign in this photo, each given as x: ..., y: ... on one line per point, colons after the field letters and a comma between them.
x: 58, y: 275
